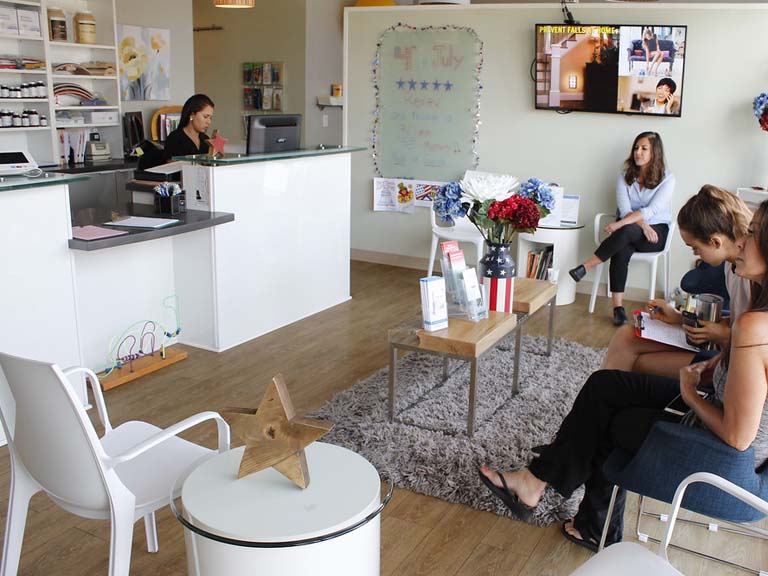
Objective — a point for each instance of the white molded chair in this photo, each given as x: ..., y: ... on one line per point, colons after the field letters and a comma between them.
x: 462, y: 231
x: 125, y: 475
x: 651, y: 258
x: 630, y: 559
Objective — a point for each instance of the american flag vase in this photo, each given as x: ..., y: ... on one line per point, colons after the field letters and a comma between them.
x: 497, y: 275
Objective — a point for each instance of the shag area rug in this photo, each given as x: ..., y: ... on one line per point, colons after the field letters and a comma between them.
x: 426, y: 448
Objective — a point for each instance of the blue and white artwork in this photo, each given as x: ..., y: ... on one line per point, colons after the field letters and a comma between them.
x: 145, y: 63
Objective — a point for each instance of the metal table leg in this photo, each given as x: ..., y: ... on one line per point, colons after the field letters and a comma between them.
x: 472, y: 398
x: 392, y: 380
x: 518, y: 342
x: 551, y: 325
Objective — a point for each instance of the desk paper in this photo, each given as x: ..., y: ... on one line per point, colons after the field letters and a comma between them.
x: 674, y: 335
x: 138, y: 222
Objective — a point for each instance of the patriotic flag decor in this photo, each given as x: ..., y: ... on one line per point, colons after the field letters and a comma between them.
x: 498, y: 277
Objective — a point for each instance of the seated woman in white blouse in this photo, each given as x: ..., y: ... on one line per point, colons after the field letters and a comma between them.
x: 644, y: 199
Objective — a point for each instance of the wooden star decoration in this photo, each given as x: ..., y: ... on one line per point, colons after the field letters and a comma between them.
x: 216, y: 144
x: 274, y: 436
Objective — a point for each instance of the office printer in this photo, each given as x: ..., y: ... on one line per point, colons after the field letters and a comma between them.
x: 96, y: 151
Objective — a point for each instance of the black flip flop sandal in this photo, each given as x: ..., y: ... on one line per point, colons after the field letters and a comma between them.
x: 588, y: 544
x: 510, y: 499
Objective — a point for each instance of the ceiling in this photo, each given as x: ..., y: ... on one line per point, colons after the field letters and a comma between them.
x: 605, y: 2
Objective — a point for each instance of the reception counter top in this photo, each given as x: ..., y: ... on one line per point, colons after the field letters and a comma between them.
x: 188, y: 222
x: 230, y: 159
x: 45, y: 179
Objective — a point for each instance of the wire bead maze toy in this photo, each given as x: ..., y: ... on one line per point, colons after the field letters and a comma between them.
x: 123, y: 349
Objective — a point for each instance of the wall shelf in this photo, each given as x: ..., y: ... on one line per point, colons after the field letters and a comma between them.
x: 325, y: 101
x: 57, y: 108
x: 12, y: 36
x: 39, y: 71
x: 90, y: 125
x: 24, y: 129
x: 81, y: 77
x: 14, y: 100
x: 80, y: 45
x: 45, y: 143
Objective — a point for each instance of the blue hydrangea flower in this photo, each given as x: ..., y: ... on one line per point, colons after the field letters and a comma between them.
x: 539, y: 192
x: 546, y: 199
x: 447, y: 203
x: 760, y: 104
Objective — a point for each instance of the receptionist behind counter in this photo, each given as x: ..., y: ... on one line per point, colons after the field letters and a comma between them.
x: 190, y: 136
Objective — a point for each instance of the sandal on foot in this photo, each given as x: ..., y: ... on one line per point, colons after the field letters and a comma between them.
x: 510, y: 499
x: 588, y: 544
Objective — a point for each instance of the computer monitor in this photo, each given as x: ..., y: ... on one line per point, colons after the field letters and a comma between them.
x: 273, y: 133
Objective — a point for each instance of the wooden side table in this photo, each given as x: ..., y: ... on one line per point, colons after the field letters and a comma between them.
x: 264, y: 524
x: 469, y: 341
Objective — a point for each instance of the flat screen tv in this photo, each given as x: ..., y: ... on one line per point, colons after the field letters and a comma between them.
x: 618, y: 68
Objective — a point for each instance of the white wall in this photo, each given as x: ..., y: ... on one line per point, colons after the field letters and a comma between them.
x: 176, y: 16
x: 324, y: 50
x: 272, y: 31
x: 716, y: 141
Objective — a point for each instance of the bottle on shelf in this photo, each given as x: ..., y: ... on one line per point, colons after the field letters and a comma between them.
x: 85, y: 27
x: 57, y: 24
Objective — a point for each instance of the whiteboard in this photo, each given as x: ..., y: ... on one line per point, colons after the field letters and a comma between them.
x: 428, y: 87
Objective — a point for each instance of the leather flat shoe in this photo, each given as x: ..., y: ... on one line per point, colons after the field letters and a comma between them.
x: 578, y: 273
x: 619, y: 316
x: 510, y: 499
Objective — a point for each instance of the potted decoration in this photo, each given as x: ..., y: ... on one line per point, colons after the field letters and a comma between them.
x: 498, y: 211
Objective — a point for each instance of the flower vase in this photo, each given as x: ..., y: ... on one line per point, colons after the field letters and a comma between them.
x: 497, y: 275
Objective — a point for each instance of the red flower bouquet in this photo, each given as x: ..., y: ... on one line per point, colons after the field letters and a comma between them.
x: 515, y: 214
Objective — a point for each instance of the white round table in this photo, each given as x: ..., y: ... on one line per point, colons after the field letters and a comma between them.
x: 264, y: 525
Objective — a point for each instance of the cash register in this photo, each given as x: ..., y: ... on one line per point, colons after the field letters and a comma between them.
x: 96, y: 151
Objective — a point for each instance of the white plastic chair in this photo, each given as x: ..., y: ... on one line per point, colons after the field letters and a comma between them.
x: 125, y: 475
x: 462, y: 231
x: 651, y: 258
x: 631, y: 559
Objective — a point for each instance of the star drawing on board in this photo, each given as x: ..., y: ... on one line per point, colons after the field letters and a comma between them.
x: 448, y: 85
x: 274, y: 436
x: 411, y: 84
x: 400, y: 84
x: 436, y: 85
x: 424, y: 84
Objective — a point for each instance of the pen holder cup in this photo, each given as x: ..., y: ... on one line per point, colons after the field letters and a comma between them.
x: 169, y: 204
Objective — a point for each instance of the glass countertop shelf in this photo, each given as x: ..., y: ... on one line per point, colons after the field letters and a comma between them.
x: 45, y: 179
x: 230, y: 159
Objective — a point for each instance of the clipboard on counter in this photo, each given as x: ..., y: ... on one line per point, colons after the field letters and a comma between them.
x: 651, y: 329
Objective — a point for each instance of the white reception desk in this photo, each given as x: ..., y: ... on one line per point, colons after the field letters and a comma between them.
x: 286, y: 255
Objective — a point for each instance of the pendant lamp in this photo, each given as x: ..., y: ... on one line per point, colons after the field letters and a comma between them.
x: 234, y: 3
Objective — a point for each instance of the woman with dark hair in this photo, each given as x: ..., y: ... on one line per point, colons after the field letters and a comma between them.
x: 616, y: 409
x: 653, y: 55
x: 712, y: 222
x: 190, y: 137
x: 644, y: 198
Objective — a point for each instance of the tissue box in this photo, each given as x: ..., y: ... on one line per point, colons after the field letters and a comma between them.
x: 29, y: 22
x: 8, y: 22
x: 104, y: 117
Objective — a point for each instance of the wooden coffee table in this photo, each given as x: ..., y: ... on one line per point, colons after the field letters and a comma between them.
x: 469, y: 341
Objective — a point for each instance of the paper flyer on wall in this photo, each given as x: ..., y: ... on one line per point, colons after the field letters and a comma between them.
x: 402, y: 194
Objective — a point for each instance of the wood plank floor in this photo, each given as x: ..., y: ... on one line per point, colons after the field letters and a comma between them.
x: 319, y: 357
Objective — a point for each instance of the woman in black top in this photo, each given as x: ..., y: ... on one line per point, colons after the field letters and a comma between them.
x: 190, y: 137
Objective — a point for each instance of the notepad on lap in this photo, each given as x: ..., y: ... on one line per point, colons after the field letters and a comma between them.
x: 652, y: 329
x: 139, y: 222
x: 95, y: 232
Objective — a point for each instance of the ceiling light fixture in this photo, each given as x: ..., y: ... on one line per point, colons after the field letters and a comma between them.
x: 234, y: 3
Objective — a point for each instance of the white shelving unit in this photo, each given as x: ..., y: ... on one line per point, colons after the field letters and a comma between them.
x: 44, y: 142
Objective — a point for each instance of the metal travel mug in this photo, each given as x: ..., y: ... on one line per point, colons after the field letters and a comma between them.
x: 709, y: 307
